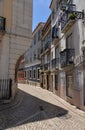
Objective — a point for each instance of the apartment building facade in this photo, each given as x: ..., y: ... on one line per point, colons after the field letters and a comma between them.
x: 32, y: 57
x: 67, y: 53
x: 68, y: 17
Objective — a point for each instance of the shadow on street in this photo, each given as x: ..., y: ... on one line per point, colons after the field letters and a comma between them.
x: 30, y: 109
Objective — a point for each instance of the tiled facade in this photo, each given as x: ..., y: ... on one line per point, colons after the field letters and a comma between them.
x: 32, y: 57
x: 65, y: 75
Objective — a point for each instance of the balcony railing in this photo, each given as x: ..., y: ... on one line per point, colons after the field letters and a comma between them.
x: 70, y: 16
x: 55, y: 63
x: 2, y: 24
x: 67, y: 57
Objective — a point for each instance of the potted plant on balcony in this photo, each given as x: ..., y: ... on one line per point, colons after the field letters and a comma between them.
x: 72, y: 16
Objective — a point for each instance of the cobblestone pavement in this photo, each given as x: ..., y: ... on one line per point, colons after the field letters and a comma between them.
x: 40, y: 109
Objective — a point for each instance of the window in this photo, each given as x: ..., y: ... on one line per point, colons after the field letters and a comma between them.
x: 38, y: 53
x: 55, y: 32
x: 57, y: 5
x: 34, y: 74
x: 34, y: 56
x: 38, y: 74
x: 56, y: 82
x: 57, y: 52
x: 69, y: 42
x: 30, y: 73
x: 52, y: 55
x: 69, y: 85
x: 53, y: 14
x: 39, y: 34
x: 34, y: 39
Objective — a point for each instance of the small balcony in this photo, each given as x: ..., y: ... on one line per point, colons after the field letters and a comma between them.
x: 55, y: 63
x: 67, y: 57
x: 69, y: 17
x: 55, y: 34
x: 2, y: 24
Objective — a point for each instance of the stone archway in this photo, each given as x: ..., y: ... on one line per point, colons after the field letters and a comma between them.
x: 15, y: 39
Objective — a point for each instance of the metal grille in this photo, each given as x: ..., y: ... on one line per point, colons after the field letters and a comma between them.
x: 5, y: 88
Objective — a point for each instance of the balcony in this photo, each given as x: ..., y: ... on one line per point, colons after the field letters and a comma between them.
x: 67, y: 57
x: 69, y: 17
x: 2, y: 24
x: 67, y: 22
x: 55, y: 35
x: 55, y: 63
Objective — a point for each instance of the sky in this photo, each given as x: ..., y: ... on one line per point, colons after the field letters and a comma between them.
x: 41, y: 11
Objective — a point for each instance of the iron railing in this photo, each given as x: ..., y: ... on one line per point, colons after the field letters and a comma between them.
x: 70, y: 13
x: 2, y: 23
x: 67, y: 57
x: 5, y: 88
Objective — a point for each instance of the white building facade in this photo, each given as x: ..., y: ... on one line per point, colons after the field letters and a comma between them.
x: 68, y: 50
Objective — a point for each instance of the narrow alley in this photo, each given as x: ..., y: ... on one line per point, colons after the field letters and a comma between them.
x: 39, y: 109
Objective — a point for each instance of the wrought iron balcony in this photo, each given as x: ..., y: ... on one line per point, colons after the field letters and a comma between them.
x: 55, y: 63
x: 67, y: 57
x: 70, y: 16
x: 67, y: 5
x: 2, y: 24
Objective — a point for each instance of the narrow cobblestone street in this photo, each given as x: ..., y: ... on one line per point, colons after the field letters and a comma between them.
x: 39, y: 109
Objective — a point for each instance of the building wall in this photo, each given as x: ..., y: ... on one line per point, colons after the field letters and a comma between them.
x: 32, y: 57
x: 75, y: 72
x: 17, y: 37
